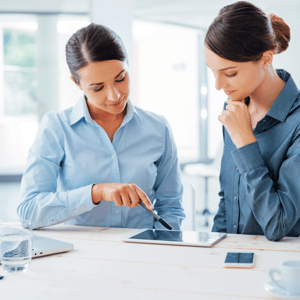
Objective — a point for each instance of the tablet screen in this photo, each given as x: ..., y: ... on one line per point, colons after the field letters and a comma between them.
x: 186, y: 237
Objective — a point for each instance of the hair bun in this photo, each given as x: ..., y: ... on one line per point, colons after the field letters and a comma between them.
x: 281, y: 31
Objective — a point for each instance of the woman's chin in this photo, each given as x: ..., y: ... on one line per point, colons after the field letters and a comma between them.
x: 236, y: 98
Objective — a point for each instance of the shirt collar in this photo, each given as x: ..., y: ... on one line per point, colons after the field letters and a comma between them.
x: 287, y: 97
x: 131, y: 112
x: 80, y: 111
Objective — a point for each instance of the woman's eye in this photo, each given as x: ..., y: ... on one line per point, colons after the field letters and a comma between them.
x: 97, y: 90
x: 120, y: 80
x: 231, y: 75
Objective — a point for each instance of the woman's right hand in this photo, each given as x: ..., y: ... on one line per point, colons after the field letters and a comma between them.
x: 121, y: 193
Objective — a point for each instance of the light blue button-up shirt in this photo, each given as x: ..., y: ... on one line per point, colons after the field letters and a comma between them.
x: 72, y: 152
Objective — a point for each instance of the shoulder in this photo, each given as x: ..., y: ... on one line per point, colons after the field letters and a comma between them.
x: 149, y: 116
x: 54, y: 125
x: 152, y: 120
x: 155, y: 124
x: 56, y: 119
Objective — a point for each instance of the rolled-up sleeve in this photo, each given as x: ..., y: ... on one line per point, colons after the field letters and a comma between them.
x: 168, y: 186
x: 41, y: 203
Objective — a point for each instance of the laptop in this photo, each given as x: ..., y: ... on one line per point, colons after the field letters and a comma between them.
x: 41, y: 246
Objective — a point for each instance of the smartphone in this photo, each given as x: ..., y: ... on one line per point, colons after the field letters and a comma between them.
x: 239, y: 260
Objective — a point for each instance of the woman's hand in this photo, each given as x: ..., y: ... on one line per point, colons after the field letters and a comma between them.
x: 237, y: 121
x: 122, y: 194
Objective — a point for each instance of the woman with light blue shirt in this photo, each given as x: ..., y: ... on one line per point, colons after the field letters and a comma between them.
x: 93, y: 163
x: 260, y: 169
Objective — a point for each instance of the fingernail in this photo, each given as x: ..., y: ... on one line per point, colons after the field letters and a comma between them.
x: 151, y: 206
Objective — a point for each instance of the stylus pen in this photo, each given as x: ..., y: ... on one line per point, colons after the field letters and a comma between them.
x: 159, y: 219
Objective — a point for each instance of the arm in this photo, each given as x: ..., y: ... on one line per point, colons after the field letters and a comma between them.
x: 41, y: 203
x: 168, y: 185
x: 275, y: 204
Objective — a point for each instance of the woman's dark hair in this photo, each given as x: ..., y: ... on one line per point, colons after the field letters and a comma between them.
x: 93, y: 43
x: 243, y: 32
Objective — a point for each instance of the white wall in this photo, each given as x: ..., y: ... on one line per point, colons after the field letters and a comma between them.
x: 167, y: 69
x: 289, y: 60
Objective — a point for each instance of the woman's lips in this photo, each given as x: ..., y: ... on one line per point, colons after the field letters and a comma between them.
x: 116, y: 103
x: 228, y: 92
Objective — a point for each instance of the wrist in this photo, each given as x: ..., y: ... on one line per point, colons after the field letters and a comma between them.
x: 96, y: 193
x: 245, y: 141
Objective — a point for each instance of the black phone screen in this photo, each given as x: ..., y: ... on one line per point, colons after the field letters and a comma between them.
x: 239, y: 258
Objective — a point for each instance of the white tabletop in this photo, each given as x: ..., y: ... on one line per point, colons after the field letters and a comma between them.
x: 103, y: 267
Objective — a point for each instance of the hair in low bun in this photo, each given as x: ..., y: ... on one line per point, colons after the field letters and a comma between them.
x: 243, y: 32
x: 281, y: 31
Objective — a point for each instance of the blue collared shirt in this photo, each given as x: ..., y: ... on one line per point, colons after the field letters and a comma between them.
x: 260, y: 182
x: 72, y: 152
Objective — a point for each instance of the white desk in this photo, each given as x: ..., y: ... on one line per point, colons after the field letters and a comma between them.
x: 103, y: 267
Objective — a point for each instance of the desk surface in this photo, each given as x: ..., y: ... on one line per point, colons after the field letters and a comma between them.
x: 103, y: 267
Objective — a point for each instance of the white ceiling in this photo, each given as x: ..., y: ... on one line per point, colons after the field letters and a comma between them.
x: 198, y: 13
x: 194, y: 13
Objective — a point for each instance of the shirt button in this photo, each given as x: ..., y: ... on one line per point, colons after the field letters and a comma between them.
x: 235, y: 198
x: 76, y: 210
x: 117, y: 211
x: 112, y: 156
x: 234, y: 225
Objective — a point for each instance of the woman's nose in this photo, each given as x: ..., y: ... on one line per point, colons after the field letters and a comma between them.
x: 219, y: 83
x: 113, y: 94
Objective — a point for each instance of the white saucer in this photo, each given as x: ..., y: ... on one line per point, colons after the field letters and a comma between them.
x: 274, y: 290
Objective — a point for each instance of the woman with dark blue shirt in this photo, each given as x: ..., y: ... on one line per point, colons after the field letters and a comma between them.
x: 260, y: 169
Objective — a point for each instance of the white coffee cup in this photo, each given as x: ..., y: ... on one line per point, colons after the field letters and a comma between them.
x: 290, y: 276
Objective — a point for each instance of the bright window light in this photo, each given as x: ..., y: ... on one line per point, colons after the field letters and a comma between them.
x: 203, y: 90
x: 203, y: 113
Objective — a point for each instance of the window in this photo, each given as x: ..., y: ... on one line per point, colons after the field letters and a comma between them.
x: 19, y: 68
x: 24, y: 79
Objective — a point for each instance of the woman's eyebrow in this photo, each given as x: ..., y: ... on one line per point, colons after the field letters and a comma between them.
x: 103, y: 82
x: 228, y: 68
x: 224, y: 68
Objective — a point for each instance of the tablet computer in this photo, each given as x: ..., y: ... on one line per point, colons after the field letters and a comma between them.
x: 174, y: 237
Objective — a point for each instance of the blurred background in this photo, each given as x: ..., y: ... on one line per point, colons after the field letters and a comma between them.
x: 164, y: 41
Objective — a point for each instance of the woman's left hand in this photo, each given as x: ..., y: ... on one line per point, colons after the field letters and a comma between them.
x: 237, y: 121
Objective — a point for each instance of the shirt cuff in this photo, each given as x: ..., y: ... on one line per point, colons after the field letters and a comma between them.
x: 248, y: 157
x: 81, y: 199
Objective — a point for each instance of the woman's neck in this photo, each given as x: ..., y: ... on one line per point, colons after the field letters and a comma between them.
x: 265, y: 95
x: 98, y: 114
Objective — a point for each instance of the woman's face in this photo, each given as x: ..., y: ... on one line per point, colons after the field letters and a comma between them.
x: 237, y: 79
x: 106, y: 85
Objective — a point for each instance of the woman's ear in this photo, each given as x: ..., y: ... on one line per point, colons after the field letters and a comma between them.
x: 267, y: 58
x: 74, y: 80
